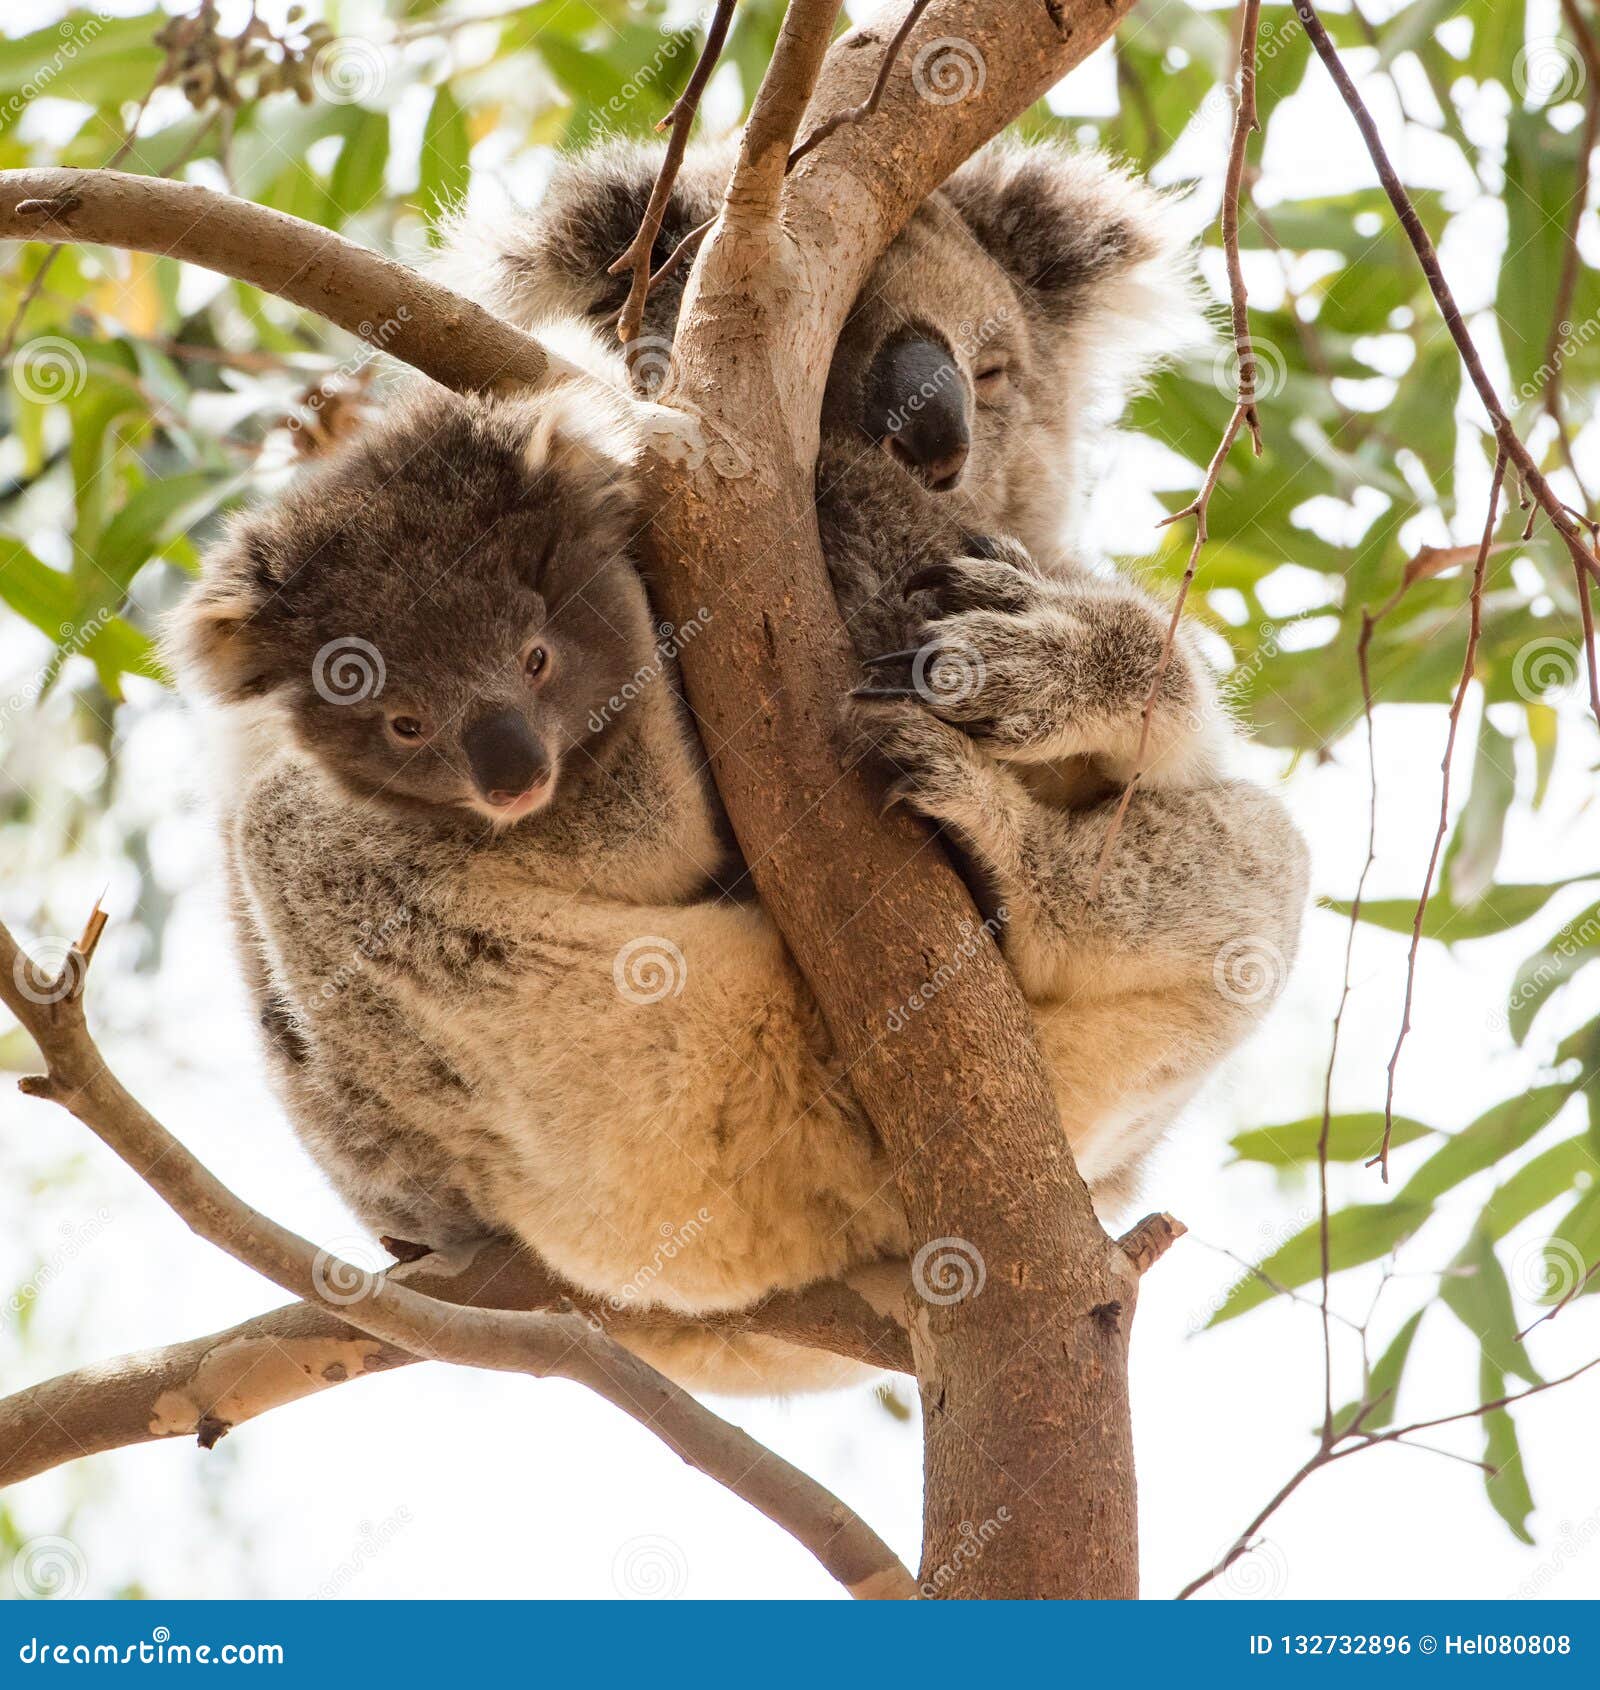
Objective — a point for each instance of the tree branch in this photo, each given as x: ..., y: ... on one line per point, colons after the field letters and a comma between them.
x: 383, y: 303
x: 567, y: 1345
x: 964, y: 1105
x: 681, y: 119
x: 206, y: 1387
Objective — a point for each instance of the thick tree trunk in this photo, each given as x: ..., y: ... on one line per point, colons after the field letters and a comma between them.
x: 1024, y: 1379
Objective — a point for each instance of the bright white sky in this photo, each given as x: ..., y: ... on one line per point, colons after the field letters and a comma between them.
x: 429, y: 1483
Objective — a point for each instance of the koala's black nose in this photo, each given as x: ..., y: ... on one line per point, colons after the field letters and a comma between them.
x: 915, y: 406
x: 505, y: 756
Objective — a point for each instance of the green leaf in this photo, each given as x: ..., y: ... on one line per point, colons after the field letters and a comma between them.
x: 1359, y: 1234
x: 1551, y: 1174
x: 1497, y: 911
x: 156, y: 514
x: 87, y: 56
x: 357, y: 179
x: 1474, y: 850
x: 1383, y: 1386
x: 1475, y: 1289
x: 1351, y: 1138
x: 1495, y: 1134
x: 1539, y: 976
x: 1507, y: 1480
x: 49, y: 600
x: 444, y: 165
x: 1573, y: 1250
x: 1543, y: 726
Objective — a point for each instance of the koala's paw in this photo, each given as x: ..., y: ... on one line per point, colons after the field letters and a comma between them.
x: 936, y: 769
x: 992, y: 674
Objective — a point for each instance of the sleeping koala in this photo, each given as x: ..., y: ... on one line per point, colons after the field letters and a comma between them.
x: 479, y: 876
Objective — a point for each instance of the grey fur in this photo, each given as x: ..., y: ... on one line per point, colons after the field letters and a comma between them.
x: 458, y: 1022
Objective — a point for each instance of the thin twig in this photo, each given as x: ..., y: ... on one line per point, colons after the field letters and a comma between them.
x: 869, y: 106
x: 681, y: 121
x: 1246, y: 122
x: 1355, y: 1440
x: 1566, y: 291
x: 1197, y: 508
x: 1468, y: 667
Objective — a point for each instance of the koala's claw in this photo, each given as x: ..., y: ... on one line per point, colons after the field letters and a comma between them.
x: 962, y: 584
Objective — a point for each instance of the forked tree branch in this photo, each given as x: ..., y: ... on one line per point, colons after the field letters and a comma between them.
x: 964, y: 1106
x: 206, y: 1387
x: 565, y: 1345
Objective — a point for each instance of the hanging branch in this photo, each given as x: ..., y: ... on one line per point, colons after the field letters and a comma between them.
x: 1246, y: 122
x: 1585, y: 563
x: 1468, y: 669
x: 567, y: 1346
x: 680, y: 120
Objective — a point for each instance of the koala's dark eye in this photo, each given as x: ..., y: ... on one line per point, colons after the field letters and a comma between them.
x: 536, y: 662
x: 410, y: 729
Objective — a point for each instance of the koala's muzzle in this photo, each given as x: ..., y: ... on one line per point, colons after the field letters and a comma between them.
x: 915, y: 407
x: 507, y: 760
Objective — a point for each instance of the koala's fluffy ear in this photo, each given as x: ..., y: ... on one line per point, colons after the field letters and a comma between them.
x: 583, y: 432
x: 1082, y: 238
x: 553, y: 260
x: 216, y: 641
